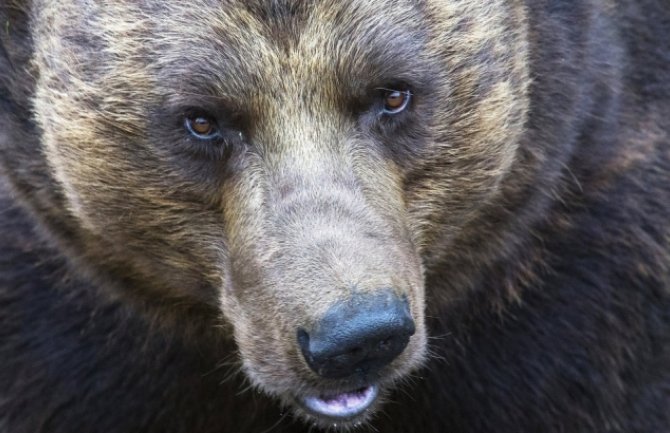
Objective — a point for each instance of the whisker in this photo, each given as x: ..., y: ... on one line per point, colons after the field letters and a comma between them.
x: 275, y: 425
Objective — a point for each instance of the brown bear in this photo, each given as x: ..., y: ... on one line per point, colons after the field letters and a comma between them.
x: 412, y: 216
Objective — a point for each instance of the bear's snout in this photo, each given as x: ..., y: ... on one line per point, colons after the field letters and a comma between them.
x: 359, y: 336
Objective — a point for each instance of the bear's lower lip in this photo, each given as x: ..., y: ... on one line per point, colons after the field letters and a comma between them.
x: 344, y: 405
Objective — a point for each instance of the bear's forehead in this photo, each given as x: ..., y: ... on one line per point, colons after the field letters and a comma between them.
x: 246, y: 51
x: 236, y: 49
x: 256, y: 40
x: 275, y: 41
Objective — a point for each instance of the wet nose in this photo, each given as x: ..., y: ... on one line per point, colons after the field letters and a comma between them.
x: 359, y: 336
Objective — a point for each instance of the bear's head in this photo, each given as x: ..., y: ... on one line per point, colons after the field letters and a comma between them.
x: 301, y: 166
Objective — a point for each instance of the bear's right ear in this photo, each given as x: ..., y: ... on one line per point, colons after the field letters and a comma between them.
x: 15, y: 52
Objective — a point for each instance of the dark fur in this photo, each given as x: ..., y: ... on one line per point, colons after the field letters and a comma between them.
x: 549, y: 311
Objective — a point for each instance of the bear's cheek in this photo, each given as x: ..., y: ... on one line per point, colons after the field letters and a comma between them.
x: 139, y: 216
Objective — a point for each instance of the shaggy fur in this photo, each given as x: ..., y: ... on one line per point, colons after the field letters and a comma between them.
x: 153, y: 282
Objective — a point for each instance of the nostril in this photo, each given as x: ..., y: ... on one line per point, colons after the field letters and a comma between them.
x: 363, y: 334
x: 385, y: 344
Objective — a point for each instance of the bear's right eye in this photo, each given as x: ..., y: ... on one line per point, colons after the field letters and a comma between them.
x: 202, y: 127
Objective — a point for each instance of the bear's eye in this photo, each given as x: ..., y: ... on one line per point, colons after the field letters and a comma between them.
x: 201, y: 126
x: 395, y: 101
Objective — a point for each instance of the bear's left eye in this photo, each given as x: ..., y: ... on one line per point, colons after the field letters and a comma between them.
x: 395, y: 101
x: 201, y: 126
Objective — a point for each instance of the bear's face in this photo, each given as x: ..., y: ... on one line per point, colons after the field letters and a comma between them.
x: 298, y: 164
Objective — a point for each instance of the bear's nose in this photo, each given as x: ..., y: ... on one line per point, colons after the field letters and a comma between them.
x: 359, y: 336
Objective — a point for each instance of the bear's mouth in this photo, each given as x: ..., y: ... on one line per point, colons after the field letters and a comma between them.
x: 342, y: 406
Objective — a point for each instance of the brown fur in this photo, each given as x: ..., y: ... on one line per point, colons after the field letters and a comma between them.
x: 315, y: 198
x: 303, y: 213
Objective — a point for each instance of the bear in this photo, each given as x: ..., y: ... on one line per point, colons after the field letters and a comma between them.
x: 297, y: 216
